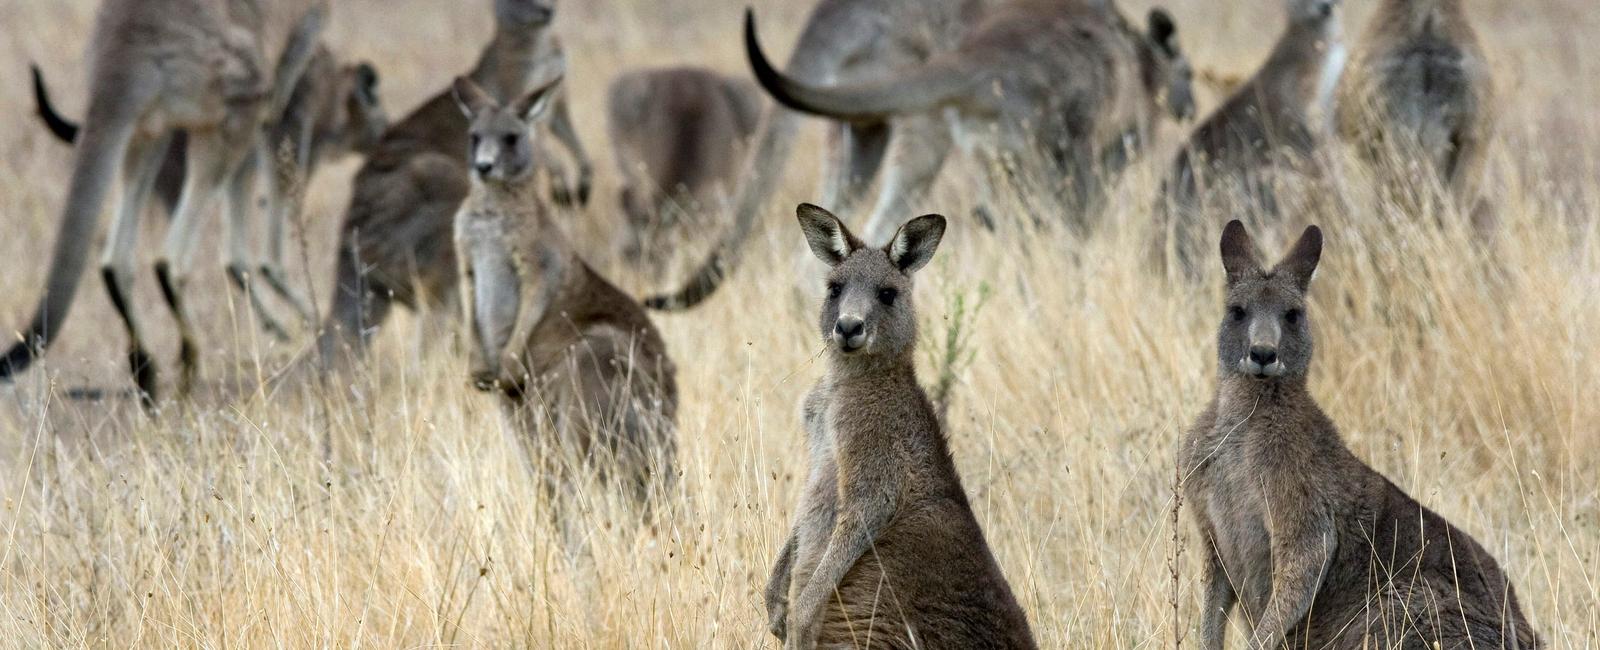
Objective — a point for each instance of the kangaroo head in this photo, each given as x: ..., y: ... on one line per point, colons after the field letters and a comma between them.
x: 359, y: 119
x: 1312, y: 12
x: 1265, y: 333
x: 500, y: 148
x: 1166, y: 68
x: 524, y: 14
x: 868, y: 308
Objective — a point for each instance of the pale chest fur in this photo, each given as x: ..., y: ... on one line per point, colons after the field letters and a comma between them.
x: 819, y: 498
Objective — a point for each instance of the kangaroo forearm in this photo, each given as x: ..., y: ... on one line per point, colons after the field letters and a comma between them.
x: 1295, y: 583
x: 778, y: 583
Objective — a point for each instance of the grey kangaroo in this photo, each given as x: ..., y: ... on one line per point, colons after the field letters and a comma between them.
x: 885, y: 550
x: 333, y: 111
x: 1318, y: 549
x: 395, y: 242
x: 577, y: 362
x: 216, y: 70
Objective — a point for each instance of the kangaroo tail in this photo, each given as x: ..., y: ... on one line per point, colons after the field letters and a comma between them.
x: 100, y: 151
x: 60, y: 126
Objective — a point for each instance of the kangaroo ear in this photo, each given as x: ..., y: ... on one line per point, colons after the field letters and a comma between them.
x: 1238, y: 252
x: 827, y: 236
x: 1163, y: 30
x: 1301, y: 262
x: 471, y: 97
x: 534, y: 104
x: 913, y: 245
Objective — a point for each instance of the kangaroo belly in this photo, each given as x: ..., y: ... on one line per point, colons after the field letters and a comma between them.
x: 496, y: 297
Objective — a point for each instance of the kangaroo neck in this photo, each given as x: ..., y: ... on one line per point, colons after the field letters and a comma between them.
x: 845, y: 371
x: 507, y: 65
x: 1304, y: 64
x: 1240, y: 396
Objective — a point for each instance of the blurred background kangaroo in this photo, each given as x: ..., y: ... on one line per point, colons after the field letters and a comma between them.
x: 1270, y: 126
x: 395, y: 240
x: 582, y: 370
x: 334, y: 110
x: 678, y: 137
x: 842, y: 41
x: 1318, y: 549
x: 1419, y: 88
x: 1068, y: 90
x: 214, y: 69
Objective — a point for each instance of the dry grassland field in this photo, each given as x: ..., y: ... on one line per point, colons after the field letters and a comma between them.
x: 391, y: 507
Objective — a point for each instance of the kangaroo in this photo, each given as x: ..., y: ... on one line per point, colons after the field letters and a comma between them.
x: 578, y: 363
x: 1317, y: 548
x: 333, y: 111
x: 886, y: 550
x: 395, y: 240
x: 1268, y: 124
x: 214, y: 69
x: 1420, y: 82
x: 842, y: 40
x: 678, y: 135
x: 1063, y: 82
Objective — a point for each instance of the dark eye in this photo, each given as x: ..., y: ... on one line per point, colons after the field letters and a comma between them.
x: 476, y: 140
x: 1292, y: 316
x: 1236, y: 313
x: 833, y: 289
x: 510, y: 140
x: 887, y: 296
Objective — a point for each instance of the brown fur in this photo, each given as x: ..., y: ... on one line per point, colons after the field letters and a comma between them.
x: 842, y: 41
x: 395, y: 241
x: 581, y: 368
x: 1070, y: 84
x: 1420, y: 83
x: 215, y: 69
x: 885, y: 551
x: 1268, y: 127
x: 1317, y: 548
x: 678, y: 136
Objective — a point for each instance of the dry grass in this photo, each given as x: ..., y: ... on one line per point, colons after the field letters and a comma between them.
x: 1469, y: 378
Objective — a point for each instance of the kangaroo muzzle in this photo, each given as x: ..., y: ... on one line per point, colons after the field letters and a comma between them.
x: 1262, y: 358
x: 850, y: 333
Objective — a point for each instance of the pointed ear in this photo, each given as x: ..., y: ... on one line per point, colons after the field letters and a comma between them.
x: 826, y: 235
x: 471, y: 97
x: 913, y: 245
x: 1238, y: 252
x: 1163, y: 30
x: 530, y: 106
x: 1301, y: 262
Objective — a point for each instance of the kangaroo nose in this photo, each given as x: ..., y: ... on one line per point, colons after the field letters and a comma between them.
x: 484, y: 168
x: 849, y: 326
x: 1263, y: 355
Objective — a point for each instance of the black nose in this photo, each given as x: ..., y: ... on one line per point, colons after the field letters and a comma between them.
x: 849, y: 327
x: 1263, y: 355
x: 484, y: 168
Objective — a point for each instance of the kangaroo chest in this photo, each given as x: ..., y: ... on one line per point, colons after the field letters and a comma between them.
x: 1240, y: 498
x: 819, y: 499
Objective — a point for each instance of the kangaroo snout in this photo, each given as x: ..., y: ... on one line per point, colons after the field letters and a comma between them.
x: 850, y: 332
x: 1261, y: 361
x: 483, y: 168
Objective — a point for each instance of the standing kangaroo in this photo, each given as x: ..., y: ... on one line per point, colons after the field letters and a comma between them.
x: 395, y: 241
x: 334, y: 110
x: 579, y: 364
x: 214, y: 69
x: 1317, y: 548
x: 843, y: 40
x: 678, y: 135
x: 886, y: 551
x: 1269, y: 125
x: 1420, y: 83
x: 1068, y: 83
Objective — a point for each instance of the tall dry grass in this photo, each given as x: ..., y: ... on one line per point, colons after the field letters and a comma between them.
x: 1469, y: 376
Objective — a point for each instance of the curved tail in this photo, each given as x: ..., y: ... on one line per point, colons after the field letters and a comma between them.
x: 61, y: 127
x: 916, y: 90
x: 818, y: 52
x: 99, y: 155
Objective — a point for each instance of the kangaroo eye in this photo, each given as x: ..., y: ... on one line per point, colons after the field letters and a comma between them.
x: 476, y: 140
x: 1236, y: 313
x: 1292, y: 317
x: 834, y: 288
x: 510, y: 140
x: 887, y: 296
